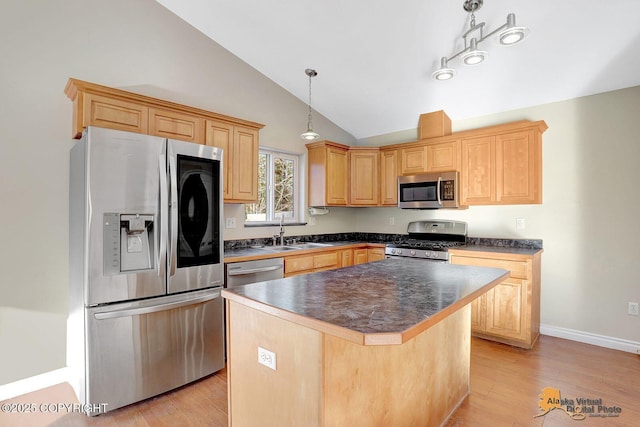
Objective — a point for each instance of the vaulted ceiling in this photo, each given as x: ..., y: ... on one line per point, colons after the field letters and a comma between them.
x: 374, y: 58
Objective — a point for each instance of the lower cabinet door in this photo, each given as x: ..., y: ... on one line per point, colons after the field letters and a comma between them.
x: 478, y: 314
x: 506, y: 309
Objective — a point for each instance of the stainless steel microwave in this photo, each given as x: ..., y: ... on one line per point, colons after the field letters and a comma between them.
x: 428, y: 191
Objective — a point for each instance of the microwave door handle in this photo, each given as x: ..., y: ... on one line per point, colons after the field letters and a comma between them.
x: 164, y: 204
x: 173, y: 179
x: 438, y: 191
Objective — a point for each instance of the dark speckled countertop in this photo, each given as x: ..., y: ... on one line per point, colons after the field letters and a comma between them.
x: 384, y: 302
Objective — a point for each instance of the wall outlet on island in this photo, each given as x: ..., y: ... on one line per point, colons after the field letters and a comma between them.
x: 633, y: 309
x: 267, y: 358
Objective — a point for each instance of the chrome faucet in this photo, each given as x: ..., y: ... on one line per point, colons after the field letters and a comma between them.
x: 281, y: 234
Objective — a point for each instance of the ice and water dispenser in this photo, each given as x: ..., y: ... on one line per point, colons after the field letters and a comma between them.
x: 128, y: 243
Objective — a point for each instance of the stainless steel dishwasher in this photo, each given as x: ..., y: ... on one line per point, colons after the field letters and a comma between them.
x: 243, y: 273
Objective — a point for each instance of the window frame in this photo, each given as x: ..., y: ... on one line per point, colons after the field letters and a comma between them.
x: 298, y: 185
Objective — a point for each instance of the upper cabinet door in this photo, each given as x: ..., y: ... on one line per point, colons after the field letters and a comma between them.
x: 389, y: 177
x: 244, y: 173
x: 105, y: 112
x: 328, y: 173
x: 413, y: 160
x: 478, y: 171
x: 176, y: 125
x: 518, y: 168
x: 443, y: 156
x: 240, y: 164
x: 220, y: 134
x: 364, y: 177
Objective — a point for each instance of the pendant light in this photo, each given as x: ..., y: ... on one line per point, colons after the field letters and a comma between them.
x: 310, y: 135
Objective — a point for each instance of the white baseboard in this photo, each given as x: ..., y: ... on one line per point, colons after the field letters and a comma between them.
x: 589, y: 338
x: 34, y: 383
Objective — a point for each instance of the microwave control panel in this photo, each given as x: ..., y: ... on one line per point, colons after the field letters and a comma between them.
x: 448, y: 190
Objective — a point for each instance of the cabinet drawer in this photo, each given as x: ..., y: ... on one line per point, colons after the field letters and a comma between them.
x: 298, y: 263
x: 325, y: 260
x: 519, y: 269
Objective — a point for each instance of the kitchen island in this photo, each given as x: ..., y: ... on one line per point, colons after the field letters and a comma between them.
x: 384, y: 343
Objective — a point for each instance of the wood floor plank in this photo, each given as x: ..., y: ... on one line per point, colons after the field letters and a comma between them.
x: 505, y: 386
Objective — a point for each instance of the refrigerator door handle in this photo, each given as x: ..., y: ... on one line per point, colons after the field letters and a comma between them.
x: 138, y: 311
x: 173, y: 178
x: 164, y: 217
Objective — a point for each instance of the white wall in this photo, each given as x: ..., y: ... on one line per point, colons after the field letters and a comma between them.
x: 590, y: 216
x: 134, y: 45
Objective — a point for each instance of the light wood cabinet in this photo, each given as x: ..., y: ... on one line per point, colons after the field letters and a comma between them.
x: 328, y: 172
x: 360, y: 256
x: 443, y: 156
x: 96, y: 105
x: 478, y: 176
x: 96, y: 110
x: 510, y: 312
x: 176, y: 125
x: 302, y: 264
x: 430, y: 156
x: 240, y: 173
x: 345, y: 258
x: 389, y: 177
x: 498, y: 165
x: 363, y: 176
x: 413, y: 160
x: 503, y: 168
x: 375, y: 254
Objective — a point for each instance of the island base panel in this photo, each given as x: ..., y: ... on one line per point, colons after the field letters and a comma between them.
x: 421, y: 382
x: 260, y: 396
x: 323, y: 380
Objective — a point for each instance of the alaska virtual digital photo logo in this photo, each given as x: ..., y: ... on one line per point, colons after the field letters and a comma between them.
x: 578, y: 409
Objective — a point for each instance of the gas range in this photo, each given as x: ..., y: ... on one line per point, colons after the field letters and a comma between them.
x: 429, y: 240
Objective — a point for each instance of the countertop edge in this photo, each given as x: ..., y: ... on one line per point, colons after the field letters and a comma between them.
x: 269, y: 255
x: 367, y: 339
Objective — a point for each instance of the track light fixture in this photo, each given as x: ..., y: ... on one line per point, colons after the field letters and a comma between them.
x: 310, y: 135
x: 507, y: 34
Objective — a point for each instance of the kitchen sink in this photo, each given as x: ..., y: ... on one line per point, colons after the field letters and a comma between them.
x: 310, y: 245
x: 296, y: 246
x: 282, y: 248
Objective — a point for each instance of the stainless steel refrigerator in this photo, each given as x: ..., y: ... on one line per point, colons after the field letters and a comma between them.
x: 145, y: 264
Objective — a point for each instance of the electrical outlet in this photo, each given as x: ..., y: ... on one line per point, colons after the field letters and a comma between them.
x: 312, y: 220
x: 267, y: 358
x: 230, y: 222
x: 519, y: 223
x: 633, y: 309
x: 392, y: 221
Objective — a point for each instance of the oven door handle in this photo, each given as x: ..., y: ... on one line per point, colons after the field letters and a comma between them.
x: 438, y: 191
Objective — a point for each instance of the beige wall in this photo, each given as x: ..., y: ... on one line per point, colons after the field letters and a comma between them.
x: 135, y: 45
x: 589, y: 219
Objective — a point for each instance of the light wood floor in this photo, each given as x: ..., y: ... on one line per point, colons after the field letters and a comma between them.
x: 505, y: 387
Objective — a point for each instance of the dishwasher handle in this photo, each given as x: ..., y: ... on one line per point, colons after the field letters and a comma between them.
x: 243, y: 272
x: 138, y: 311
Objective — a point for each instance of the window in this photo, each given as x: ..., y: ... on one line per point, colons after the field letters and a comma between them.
x: 278, y: 189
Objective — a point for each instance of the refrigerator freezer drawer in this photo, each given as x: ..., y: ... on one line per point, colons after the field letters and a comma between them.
x: 140, y: 349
